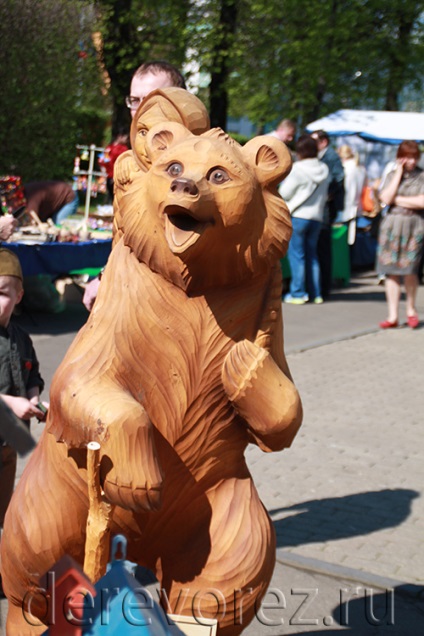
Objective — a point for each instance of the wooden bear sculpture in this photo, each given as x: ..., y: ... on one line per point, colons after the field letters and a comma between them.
x: 179, y: 367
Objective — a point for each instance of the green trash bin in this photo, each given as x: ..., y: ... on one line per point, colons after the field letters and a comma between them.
x: 285, y: 268
x: 340, y: 254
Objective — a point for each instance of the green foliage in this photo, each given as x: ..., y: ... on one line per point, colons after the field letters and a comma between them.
x: 134, y: 32
x: 91, y: 125
x: 268, y: 59
x: 303, y: 59
x: 265, y: 59
x: 241, y: 139
x: 48, y: 66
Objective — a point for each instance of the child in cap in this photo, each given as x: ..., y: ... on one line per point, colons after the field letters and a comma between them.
x: 20, y: 380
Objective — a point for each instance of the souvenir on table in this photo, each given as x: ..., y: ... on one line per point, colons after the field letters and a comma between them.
x: 85, y: 167
x: 12, y: 195
x: 34, y: 231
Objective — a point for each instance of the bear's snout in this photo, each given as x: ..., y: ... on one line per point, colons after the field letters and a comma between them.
x: 184, y: 186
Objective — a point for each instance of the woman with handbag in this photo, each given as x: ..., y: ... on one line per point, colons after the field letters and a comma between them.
x: 401, y: 236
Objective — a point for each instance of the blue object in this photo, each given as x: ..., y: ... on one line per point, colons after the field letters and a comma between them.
x: 362, y: 223
x: 303, y: 258
x: 67, y: 210
x: 122, y: 606
x: 60, y: 258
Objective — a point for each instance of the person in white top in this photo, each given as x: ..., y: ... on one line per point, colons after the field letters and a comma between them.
x: 354, y: 181
x: 305, y: 191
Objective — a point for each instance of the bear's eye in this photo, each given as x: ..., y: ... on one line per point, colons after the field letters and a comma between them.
x: 218, y: 176
x: 174, y: 169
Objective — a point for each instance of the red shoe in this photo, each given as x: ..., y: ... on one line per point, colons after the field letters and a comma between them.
x: 413, y: 321
x: 387, y: 324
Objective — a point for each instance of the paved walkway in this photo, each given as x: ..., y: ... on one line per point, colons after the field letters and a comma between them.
x: 346, y: 498
x: 349, y: 490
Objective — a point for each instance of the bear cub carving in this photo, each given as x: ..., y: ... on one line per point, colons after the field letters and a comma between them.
x: 179, y: 366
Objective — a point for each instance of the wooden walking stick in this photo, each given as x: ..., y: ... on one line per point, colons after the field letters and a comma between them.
x: 98, y: 520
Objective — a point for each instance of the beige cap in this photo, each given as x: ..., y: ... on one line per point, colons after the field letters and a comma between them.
x: 9, y: 264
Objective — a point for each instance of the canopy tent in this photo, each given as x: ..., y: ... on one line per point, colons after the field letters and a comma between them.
x: 373, y: 125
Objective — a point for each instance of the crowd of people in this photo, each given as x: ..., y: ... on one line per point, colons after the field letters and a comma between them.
x: 326, y: 186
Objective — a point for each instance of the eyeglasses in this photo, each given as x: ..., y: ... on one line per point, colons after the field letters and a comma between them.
x: 132, y: 102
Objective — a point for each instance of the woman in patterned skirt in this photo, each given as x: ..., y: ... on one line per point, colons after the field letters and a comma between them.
x: 401, y: 237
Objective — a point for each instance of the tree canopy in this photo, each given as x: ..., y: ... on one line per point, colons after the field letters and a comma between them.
x: 134, y: 31
x: 66, y: 65
x: 50, y: 85
x: 303, y: 59
x: 267, y: 59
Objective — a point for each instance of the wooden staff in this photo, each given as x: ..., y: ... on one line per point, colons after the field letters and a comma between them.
x: 98, y: 520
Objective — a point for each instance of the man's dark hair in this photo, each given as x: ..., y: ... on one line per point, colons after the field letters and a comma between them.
x: 306, y: 147
x: 321, y: 134
x: 158, y: 66
x: 121, y: 130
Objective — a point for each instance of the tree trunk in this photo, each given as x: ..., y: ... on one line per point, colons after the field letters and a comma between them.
x: 118, y: 31
x: 220, y: 63
x: 398, y: 62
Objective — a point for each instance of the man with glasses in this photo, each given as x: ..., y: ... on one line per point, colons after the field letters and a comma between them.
x: 150, y: 76
x: 147, y: 78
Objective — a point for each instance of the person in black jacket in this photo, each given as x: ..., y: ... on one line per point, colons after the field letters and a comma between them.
x: 335, y: 203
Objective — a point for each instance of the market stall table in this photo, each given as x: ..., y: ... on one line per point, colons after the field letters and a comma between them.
x: 57, y: 258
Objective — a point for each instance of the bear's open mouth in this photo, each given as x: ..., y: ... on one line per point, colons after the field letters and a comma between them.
x: 184, y: 222
x: 182, y: 229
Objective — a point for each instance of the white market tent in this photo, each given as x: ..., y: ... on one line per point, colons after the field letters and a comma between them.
x: 387, y: 127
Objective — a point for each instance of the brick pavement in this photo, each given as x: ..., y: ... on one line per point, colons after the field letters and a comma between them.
x: 349, y: 490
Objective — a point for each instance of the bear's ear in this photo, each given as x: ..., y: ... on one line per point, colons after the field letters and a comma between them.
x: 163, y: 136
x: 269, y: 157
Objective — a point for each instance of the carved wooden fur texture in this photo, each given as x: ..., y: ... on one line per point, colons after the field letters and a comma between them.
x: 166, y: 104
x: 179, y: 367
